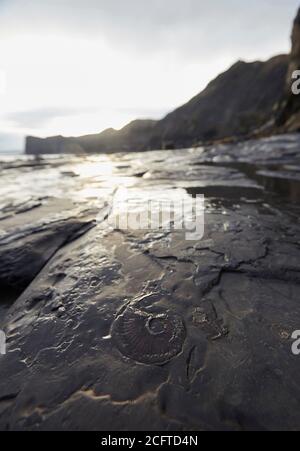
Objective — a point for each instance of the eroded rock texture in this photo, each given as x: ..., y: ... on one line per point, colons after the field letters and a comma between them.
x: 86, y: 308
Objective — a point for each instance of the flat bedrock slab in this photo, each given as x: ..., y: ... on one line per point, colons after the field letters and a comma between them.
x: 227, y: 304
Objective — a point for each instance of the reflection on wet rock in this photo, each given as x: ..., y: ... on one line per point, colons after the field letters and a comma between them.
x: 142, y: 329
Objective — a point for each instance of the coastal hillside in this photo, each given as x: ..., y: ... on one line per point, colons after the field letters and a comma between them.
x: 234, y: 104
x: 249, y: 98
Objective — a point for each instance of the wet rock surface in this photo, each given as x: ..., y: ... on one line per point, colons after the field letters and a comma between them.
x: 111, y: 329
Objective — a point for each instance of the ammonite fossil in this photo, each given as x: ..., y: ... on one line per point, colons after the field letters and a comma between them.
x: 148, y: 338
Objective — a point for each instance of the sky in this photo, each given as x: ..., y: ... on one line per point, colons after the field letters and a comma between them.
x: 75, y: 67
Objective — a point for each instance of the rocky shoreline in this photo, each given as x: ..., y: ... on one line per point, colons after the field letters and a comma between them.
x: 134, y: 330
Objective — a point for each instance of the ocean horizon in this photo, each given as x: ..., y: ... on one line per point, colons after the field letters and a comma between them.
x: 11, y: 152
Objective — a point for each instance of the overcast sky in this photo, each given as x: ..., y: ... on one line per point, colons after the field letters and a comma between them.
x: 73, y: 67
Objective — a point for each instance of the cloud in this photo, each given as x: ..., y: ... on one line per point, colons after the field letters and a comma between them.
x: 191, y: 28
x: 38, y: 118
x: 41, y: 117
x: 78, y: 66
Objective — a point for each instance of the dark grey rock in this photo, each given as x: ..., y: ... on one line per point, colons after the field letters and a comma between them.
x: 236, y: 293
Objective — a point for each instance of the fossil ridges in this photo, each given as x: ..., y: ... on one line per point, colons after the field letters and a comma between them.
x: 148, y: 338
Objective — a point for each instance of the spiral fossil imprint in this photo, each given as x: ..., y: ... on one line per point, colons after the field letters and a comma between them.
x: 148, y: 338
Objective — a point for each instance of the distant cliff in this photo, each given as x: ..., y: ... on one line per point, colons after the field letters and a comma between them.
x: 249, y: 98
x: 234, y: 104
x: 135, y: 136
x: 288, y: 119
